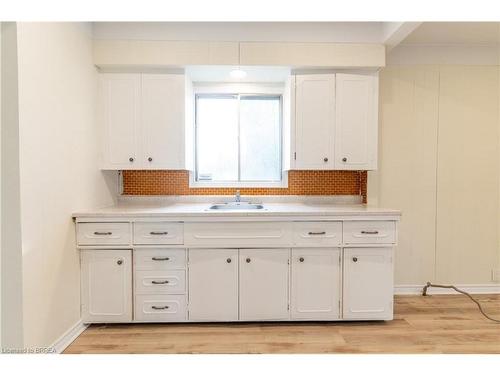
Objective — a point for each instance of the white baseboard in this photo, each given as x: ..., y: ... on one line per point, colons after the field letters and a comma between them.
x: 469, y: 288
x: 69, y: 336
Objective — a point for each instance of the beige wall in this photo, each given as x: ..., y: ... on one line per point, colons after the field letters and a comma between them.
x: 11, y: 271
x: 439, y: 163
x: 58, y: 156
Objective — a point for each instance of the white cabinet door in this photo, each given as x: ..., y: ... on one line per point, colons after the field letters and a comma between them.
x: 264, y: 284
x: 163, y: 121
x: 356, y: 121
x: 106, y: 286
x: 314, y: 121
x: 368, y: 283
x: 315, y: 287
x: 120, y: 116
x: 213, y: 284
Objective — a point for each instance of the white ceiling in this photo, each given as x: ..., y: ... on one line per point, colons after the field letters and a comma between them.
x: 455, y: 33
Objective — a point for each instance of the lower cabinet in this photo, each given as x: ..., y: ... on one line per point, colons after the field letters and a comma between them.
x: 160, y: 291
x: 368, y: 283
x: 264, y: 279
x: 106, y: 286
x: 213, y: 284
x: 210, y: 284
x: 315, y: 286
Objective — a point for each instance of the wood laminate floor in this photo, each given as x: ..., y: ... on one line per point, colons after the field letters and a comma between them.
x: 433, y: 324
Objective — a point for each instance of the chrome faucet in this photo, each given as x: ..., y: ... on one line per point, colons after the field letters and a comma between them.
x: 237, y: 197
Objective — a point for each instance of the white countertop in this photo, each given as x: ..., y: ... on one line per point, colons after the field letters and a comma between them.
x: 201, y: 209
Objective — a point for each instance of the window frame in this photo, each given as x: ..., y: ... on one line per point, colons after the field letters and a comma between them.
x: 238, y: 90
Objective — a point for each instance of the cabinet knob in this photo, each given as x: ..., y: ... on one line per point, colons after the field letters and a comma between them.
x: 325, y: 160
x: 150, y: 159
x: 119, y: 262
x: 228, y: 260
x: 248, y: 260
x: 131, y: 160
x: 354, y: 259
x: 344, y: 159
x: 301, y: 260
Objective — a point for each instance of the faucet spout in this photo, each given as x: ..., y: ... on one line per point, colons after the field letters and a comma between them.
x: 237, y: 197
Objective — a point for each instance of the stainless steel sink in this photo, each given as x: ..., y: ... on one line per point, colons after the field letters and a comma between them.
x: 237, y: 206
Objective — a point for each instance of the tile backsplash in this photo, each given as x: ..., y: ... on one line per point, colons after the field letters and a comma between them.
x: 170, y: 182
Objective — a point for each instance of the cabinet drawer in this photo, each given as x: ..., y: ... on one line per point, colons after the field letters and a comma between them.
x: 317, y: 233
x: 171, y: 281
x: 159, y: 259
x: 238, y: 234
x: 160, y: 308
x: 369, y: 232
x: 89, y: 234
x: 158, y: 233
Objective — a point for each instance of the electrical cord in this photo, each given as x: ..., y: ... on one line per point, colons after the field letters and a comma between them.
x: 428, y: 285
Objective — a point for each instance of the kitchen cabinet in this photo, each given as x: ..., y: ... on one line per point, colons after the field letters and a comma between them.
x: 162, y: 123
x: 120, y: 114
x: 213, y: 284
x: 263, y: 283
x: 315, y: 286
x: 106, y: 286
x: 314, y: 121
x: 336, y: 121
x: 143, y: 117
x: 368, y: 283
x: 356, y: 112
x: 160, y: 281
x: 189, y: 268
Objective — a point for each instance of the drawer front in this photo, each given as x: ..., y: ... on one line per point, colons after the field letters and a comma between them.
x: 158, y: 233
x: 238, y: 234
x: 159, y: 259
x: 369, y: 232
x: 89, y: 234
x: 317, y: 233
x: 160, y: 282
x: 160, y: 308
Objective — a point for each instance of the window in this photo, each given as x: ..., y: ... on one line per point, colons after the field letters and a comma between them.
x: 238, y: 140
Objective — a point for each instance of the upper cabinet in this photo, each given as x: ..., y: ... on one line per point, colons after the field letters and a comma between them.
x: 314, y: 121
x: 336, y: 120
x: 356, y: 119
x: 120, y: 115
x: 329, y: 121
x: 143, y: 117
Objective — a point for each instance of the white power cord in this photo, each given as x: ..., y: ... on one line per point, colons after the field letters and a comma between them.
x: 428, y: 285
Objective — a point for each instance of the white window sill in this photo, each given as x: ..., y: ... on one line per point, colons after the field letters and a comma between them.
x: 221, y: 184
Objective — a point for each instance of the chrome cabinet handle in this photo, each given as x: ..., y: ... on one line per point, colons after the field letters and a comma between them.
x: 103, y: 233
x: 160, y: 259
x: 316, y: 233
x: 159, y: 307
x: 369, y: 232
x: 248, y: 260
x: 119, y: 262
x: 354, y: 259
x: 228, y: 260
x: 159, y: 282
x: 158, y: 233
x: 301, y: 259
